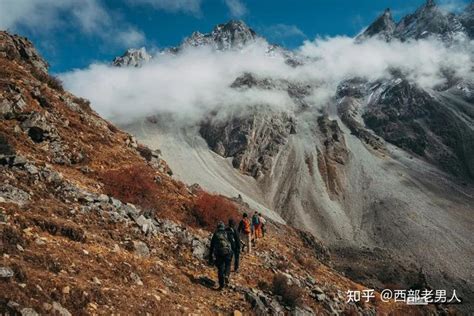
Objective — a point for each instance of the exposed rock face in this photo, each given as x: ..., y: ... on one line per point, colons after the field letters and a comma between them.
x: 19, y: 48
x: 132, y: 58
x: 252, y: 141
x: 297, y: 91
x: 419, y: 122
x: 332, y: 154
x: 349, y: 109
x: 467, y: 19
x: 383, y: 27
x: 429, y: 20
x: 231, y: 35
x: 255, y: 136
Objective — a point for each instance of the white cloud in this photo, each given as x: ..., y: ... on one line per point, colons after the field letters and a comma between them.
x: 89, y: 16
x: 187, y: 6
x: 190, y: 83
x: 421, y: 61
x: 236, y: 8
x: 282, y: 31
x: 454, y: 6
x: 198, y: 80
x: 130, y: 37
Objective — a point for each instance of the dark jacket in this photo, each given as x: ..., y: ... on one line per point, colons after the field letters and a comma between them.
x: 214, y: 241
x: 236, y: 237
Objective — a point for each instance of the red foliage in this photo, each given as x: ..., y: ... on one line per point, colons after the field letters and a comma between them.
x: 209, y: 209
x: 133, y: 184
x: 136, y: 184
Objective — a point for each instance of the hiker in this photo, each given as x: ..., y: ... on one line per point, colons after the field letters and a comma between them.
x: 262, y: 221
x: 245, y: 232
x: 222, y: 243
x: 231, y: 229
x: 256, y: 227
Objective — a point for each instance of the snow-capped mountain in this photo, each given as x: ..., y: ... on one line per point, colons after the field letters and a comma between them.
x: 383, y: 27
x: 428, y: 21
x: 387, y: 164
x: 231, y: 35
x: 132, y: 58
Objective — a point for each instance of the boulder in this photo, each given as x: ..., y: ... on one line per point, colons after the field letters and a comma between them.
x: 135, y: 278
x: 28, y: 312
x: 141, y: 249
x: 200, y: 249
x: 60, y: 310
x: 13, y: 194
x: 6, y: 273
x: 257, y: 305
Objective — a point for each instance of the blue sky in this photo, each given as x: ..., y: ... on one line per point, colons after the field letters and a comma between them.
x: 74, y: 33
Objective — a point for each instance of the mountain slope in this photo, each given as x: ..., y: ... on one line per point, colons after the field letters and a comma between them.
x: 383, y: 173
x: 91, y: 222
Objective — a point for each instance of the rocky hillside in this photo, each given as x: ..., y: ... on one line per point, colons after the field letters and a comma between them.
x: 91, y: 222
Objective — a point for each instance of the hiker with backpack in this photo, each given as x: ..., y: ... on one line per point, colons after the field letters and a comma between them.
x: 222, y: 243
x: 231, y: 229
x: 245, y: 232
x: 256, y: 227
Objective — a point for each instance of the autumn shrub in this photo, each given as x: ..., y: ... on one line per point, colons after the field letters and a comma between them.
x: 133, y: 184
x: 291, y: 294
x: 209, y: 209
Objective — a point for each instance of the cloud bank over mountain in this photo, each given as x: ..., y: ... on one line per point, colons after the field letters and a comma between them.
x: 196, y: 80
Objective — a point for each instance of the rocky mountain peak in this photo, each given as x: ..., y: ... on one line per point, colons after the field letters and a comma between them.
x: 383, y: 27
x: 429, y: 20
x: 231, y: 35
x: 430, y: 3
x: 133, y: 58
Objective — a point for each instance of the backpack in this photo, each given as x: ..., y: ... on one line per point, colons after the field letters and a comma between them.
x: 246, y: 226
x: 255, y: 220
x: 223, y: 244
